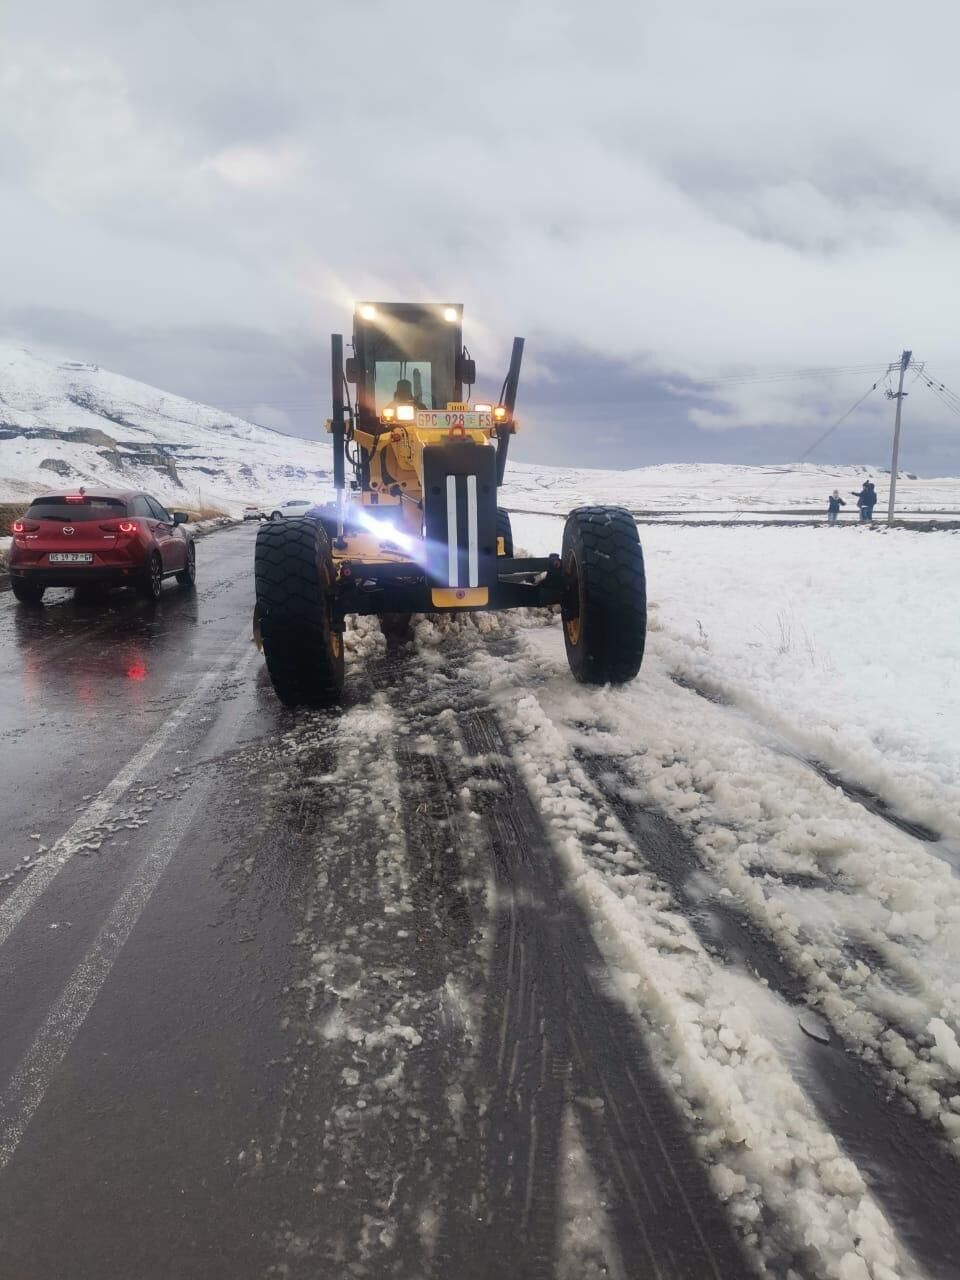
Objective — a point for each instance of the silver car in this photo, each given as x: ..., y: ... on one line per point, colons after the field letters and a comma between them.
x: 292, y: 507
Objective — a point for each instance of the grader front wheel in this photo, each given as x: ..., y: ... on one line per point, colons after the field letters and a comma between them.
x: 293, y: 568
x: 604, y: 609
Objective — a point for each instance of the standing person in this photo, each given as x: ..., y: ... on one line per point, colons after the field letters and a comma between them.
x: 866, y: 501
x: 834, y: 503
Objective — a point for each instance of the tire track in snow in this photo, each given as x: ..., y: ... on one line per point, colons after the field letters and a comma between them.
x: 912, y: 1174
x: 376, y: 1108
x: 499, y: 1192
x: 892, y: 959
x: 856, y: 791
x: 665, y: 979
x: 552, y: 1034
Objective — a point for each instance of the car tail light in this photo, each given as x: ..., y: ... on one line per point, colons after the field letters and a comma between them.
x: 128, y: 527
x: 24, y: 526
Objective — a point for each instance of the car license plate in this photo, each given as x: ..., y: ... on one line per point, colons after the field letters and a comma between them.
x: 470, y: 420
x: 70, y: 557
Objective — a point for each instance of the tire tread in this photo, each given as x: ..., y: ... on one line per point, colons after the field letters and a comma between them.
x: 294, y: 618
x: 613, y: 597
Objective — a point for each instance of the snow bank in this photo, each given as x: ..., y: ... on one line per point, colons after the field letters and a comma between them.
x: 844, y: 644
x: 788, y: 1184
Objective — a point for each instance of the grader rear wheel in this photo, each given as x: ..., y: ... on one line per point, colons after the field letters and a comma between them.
x: 293, y: 568
x: 604, y: 609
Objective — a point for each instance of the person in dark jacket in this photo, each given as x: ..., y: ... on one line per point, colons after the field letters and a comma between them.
x: 866, y: 500
x: 834, y: 503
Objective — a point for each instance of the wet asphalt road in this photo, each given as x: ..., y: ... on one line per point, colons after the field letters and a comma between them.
x: 256, y: 1025
x: 133, y: 1046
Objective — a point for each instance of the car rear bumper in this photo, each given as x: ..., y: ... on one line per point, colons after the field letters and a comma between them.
x: 76, y: 575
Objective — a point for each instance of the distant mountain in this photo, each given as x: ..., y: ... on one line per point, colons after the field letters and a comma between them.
x: 77, y: 424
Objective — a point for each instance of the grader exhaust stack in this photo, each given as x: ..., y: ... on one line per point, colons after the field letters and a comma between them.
x: 508, y: 398
x: 419, y: 529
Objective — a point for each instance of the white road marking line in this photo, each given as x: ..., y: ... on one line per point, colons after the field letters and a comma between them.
x: 472, y: 530
x: 18, y: 903
x: 26, y: 1088
x: 452, y: 556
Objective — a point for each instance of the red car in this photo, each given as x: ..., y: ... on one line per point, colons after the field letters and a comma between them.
x: 100, y: 539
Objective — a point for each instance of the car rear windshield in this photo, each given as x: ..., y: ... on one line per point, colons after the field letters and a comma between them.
x: 74, y: 512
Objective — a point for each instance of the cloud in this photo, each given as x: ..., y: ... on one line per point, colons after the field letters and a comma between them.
x: 684, y: 190
x: 257, y: 166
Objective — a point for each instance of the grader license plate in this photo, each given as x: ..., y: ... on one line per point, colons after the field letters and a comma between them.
x: 448, y: 418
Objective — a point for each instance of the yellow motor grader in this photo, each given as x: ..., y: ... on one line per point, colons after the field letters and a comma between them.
x: 419, y: 530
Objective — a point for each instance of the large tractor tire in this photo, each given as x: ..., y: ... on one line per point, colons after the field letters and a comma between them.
x: 505, y: 531
x: 293, y: 569
x: 604, y: 607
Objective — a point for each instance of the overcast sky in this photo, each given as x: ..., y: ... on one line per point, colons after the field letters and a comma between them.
x: 677, y: 204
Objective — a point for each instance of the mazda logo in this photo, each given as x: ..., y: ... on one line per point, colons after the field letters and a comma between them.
x: 68, y: 528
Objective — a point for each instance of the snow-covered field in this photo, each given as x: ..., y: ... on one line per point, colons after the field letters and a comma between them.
x: 713, y: 492
x: 848, y: 647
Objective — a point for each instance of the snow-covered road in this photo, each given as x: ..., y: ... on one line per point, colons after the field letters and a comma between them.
x: 705, y: 882
x: 492, y: 974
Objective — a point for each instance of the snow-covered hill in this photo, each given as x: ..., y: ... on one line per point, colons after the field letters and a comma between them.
x: 80, y: 424
x: 77, y: 423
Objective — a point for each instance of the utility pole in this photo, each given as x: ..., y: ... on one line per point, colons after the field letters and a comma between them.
x: 898, y: 396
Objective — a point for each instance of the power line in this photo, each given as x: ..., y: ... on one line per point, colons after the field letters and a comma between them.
x: 944, y: 389
x: 839, y: 422
x: 939, y: 391
x: 787, y: 375
x: 823, y: 436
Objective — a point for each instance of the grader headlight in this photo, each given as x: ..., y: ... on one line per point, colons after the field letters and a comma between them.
x: 500, y: 413
x: 406, y: 412
x: 389, y: 414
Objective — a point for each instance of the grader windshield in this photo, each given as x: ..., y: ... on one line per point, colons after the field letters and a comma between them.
x: 407, y: 353
x: 404, y: 380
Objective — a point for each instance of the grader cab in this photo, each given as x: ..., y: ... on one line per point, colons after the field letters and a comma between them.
x: 417, y: 528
